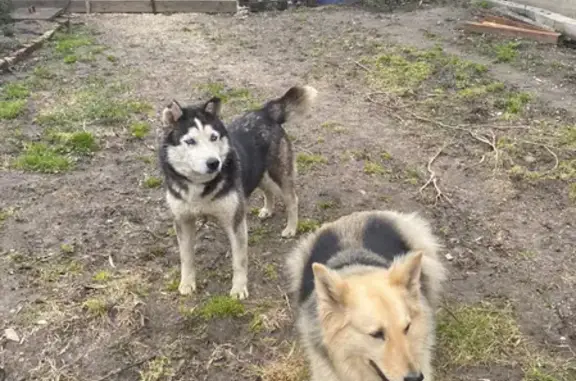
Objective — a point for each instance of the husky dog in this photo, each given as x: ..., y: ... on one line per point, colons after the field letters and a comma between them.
x: 211, y: 170
x: 367, y: 286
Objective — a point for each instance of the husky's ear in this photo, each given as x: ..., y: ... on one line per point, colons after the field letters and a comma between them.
x: 407, y: 271
x: 213, y: 107
x: 330, y: 287
x: 171, y: 114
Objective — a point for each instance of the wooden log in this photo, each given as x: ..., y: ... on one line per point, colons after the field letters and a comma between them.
x: 507, y: 30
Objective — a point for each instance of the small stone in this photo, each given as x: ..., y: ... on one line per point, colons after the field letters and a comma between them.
x: 449, y: 257
x: 42, y: 322
x: 11, y: 335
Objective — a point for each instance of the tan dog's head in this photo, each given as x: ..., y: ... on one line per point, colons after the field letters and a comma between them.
x: 374, y: 324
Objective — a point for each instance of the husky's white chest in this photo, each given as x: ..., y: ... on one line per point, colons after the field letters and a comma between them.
x: 193, y: 204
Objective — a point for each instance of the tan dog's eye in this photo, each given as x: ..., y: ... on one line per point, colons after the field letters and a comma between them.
x: 407, y: 329
x: 378, y: 334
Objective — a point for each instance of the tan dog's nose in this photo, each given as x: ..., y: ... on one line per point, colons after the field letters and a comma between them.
x: 414, y: 377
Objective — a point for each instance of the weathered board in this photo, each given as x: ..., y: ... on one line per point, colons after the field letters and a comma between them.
x: 47, y: 14
x: 135, y: 6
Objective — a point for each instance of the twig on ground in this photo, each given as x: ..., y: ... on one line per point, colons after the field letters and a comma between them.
x: 445, y: 307
x: 362, y: 66
x: 433, y: 179
x: 556, y: 160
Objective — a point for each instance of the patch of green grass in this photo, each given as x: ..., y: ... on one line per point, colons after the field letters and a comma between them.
x: 568, y: 136
x: 96, y: 307
x: 333, y: 127
x: 219, y: 307
x: 478, y: 335
x: 326, y: 204
x: 15, y: 90
x: 257, y: 323
x: 506, y: 52
x: 42, y: 73
x: 111, y: 58
x: 157, y: 369
x: 63, y: 268
x: 139, y: 129
x: 572, y: 192
x: 307, y: 161
x: 5, y: 214
x: 412, y: 176
x: 67, y: 248
x: 12, y: 109
x: 483, y: 4
x: 479, y: 91
x: 241, y: 96
x: 307, y: 225
x: 515, y: 103
x: 102, y: 276
x: 270, y: 272
x: 80, y: 142
x: 40, y: 157
x: 396, y: 73
x: 385, y: 156
x: 371, y: 168
x: 171, y: 285
x: 257, y: 234
x: 152, y: 182
x: 403, y: 69
x: 70, y: 59
x: 95, y: 104
x: 69, y: 42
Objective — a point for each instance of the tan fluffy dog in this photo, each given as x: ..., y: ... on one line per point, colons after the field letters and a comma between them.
x: 367, y: 286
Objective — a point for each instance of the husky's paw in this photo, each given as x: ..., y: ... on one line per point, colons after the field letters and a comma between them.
x: 239, y: 292
x: 264, y: 213
x: 289, y: 232
x: 187, y: 288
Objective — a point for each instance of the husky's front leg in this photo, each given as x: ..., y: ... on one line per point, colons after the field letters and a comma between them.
x: 237, y: 232
x: 186, y: 234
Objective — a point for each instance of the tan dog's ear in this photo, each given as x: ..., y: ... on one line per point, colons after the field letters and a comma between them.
x: 213, y: 107
x: 171, y: 114
x: 406, y: 272
x: 330, y: 287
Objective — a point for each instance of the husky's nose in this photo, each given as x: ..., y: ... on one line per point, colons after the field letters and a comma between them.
x: 212, y: 164
x: 414, y: 377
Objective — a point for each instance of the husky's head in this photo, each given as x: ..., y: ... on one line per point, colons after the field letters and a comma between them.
x: 374, y: 325
x: 196, y: 142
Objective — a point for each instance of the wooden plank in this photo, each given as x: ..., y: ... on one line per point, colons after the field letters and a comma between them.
x: 137, y: 6
x: 506, y: 30
x: 200, y: 6
x: 112, y: 6
x: 506, y: 21
x: 47, y: 14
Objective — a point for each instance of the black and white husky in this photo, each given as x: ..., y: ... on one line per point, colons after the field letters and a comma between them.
x: 211, y: 170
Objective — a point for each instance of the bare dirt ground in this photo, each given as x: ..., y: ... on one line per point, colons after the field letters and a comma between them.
x: 88, y: 261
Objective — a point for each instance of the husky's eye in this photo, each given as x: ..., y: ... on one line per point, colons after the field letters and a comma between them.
x: 407, y: 329
x: 190, y: 141
x: 213, y: 137
x: 378, y: 334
